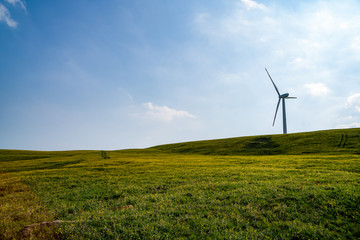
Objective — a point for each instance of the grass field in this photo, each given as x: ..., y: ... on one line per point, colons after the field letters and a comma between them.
x: 296, y: 186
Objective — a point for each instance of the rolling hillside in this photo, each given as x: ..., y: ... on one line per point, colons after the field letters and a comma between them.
x: 329, y: 142
x: 295, y: 186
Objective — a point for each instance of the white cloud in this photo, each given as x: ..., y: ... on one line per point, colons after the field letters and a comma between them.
x: 201, y: 17
x: 354, y: 101
x: 350, y: 125
x: 17, y: 2
x: 5, y: 17
x: 297, y: 61
x: 249, y: 4
x: 356, y: 43
x: 317, y: 89
x: 230, y: 78
x: 164, y: 113
x: 353, y: 107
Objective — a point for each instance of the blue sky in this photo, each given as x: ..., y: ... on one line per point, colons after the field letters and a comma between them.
x: 131, y: 74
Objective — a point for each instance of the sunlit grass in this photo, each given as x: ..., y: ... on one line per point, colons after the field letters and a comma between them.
x: 20, y: 207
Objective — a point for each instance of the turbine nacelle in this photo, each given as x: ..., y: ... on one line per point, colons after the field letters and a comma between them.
x: 285, y: 95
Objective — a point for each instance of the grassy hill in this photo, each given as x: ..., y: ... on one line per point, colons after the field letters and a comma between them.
x: 319, y: 142
x: 295, y: 186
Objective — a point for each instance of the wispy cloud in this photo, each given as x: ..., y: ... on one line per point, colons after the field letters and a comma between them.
x: 317, y: 89
x: 164, y: 113
x: 252, y: 4
x: 315, y: 36
x: 6, y: 17
x: 20, y: 3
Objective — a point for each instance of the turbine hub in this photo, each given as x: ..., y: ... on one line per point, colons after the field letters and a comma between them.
x: 285, y: 95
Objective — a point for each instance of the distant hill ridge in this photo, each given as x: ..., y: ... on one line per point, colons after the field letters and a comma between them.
x: 324, y: 142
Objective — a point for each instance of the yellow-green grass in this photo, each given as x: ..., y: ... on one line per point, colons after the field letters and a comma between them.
x: 20, y: 207
x: 188, y: 196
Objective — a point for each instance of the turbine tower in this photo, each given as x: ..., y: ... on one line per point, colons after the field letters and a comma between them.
x: 282, y: 98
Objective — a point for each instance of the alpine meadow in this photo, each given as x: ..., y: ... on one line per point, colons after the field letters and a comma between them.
x: 294, y: 186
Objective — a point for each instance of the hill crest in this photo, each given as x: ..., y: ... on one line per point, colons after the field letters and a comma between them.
x: 325, y: 141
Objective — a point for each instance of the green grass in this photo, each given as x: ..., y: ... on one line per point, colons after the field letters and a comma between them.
x: 262, y: 187
x: 320, y: 142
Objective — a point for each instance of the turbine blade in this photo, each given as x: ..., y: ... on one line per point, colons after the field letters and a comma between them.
x: 277, y: 108
x: 292, y: 97
x: 277, y: 90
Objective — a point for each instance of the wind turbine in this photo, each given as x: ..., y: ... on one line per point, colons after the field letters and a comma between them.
x: 282, y: 98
